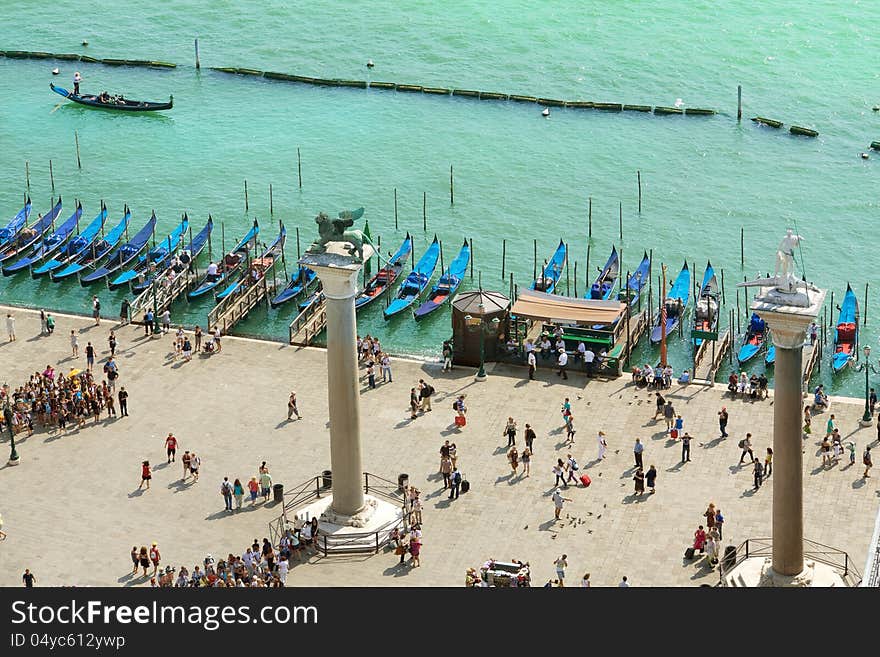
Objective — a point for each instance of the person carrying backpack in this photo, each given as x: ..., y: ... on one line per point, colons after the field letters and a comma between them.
x: 425, y: 392
x: 455, y: 482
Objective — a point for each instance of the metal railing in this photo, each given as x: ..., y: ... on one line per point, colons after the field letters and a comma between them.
x: 825, y: 554
x: 360, y: 542
x: 158, y: 296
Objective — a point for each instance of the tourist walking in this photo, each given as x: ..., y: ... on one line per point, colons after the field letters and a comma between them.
x: 265, y: 484
x: 759, y: 474
x: 651, y: 478
x: 111, y: 342
x: 238, y: 492
x: 603, y: 445
x: 90, y: 356
x: 291, y: 406
x: 562, y: 362
x: 571, y: 466
x: 166, y: 321
x: 135, y: 560
x: 50, y: 324
x: 226, y: 492
x: 830, y: 425
x: 569, y: 429
x: 123, y: 401
x: 559, y: 502
x: 768, y: 462
x: 146, y: 475
x: 385, y: 366
x: 446, y: 468
x: 746, y: 446
x: 74, y: 344
x: 198, y: 338
x: 700, y: 539
x: 426, y: 390
x: 195, y: 463
x: 155, y: 557
x: 526, y: 457
x: 685, y: 447
x: 669, y: 416
x: 29, y: 579
x: 559, y: 471
x: 96, y: 310
x: 455, y: 483
x: 510, y: 432
x: 722, y: 421
x: 561, y: 564
x: 171, y: 446
x: 186, y: 459
x: 371, y: 375
x: 447, y: 355
x: 659, y: 405
x: 719, y: 523
x: 639, y: 480
x: 866, y: 460
x: 43, y: 328
x: 533, y: 363
x: 124, y: 312
x: 253, y: 489
x: 513, y: 458
x: 144, y: 559
x: 638, y: 449
x: 529, y: 436
x: 413, y: 403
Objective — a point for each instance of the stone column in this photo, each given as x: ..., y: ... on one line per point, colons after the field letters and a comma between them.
x: 338, y: 275
x: 788, y: 328
x: 788, y: 473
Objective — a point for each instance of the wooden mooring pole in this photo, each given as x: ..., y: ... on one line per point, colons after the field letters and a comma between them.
x: 395, y: 208
x: 639, y: 174
x: 575, y: 278
x: 299, y: 167
x: 198, y: 63
x: 246, y: 207
x: 865, y: 316
x: 271, y: 204
x: 503, y: 257
x: 27, y: 175
x: 451, y: 187
x: 52, y: 177
x: 742, y: 247
x: 620, y: 221
x: 78, y: 161
x: 590, y: 220
x: 739, y: 102
x: 472, y: 258
x: 425, y: 211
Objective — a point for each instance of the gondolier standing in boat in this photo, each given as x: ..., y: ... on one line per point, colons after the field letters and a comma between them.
x: 77, y: 78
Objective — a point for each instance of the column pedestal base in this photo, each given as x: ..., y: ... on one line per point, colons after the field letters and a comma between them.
x: 865, y: 423
x: 14, y: 461
x: 757, y: 572
x: 351, y: 533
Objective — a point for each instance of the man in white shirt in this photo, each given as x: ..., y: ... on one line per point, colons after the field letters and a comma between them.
x: 563, y: 364
x: 212, y: 271
x: 283, y: 567
x: 532, y: 364
x: 589, y: 361
x: 581, y: 350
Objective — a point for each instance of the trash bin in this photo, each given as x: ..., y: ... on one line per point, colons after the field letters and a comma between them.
x: 402, y: 481
x: 729, y: 557
x: 327, y: 477
x: 278, y: 492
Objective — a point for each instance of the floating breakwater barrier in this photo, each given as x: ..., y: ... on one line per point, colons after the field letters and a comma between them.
x: 772, y: 123
x: 637, y: 108
x: 668, y: 110
x: 73, y: 57
x: 805, y: 132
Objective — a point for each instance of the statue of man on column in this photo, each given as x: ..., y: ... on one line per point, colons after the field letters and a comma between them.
x: 785, y: 265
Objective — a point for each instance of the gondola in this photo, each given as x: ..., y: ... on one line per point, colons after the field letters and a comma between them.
x: 29, y: 236
x: 753, y: 341
x: 48, y: 245
x: 183, y: 261
x: 257, y: 267
x: 230, y: 265
x: 447, y: 285
x: 603, y: 286
x: 770, y: 356
x: 315, y: 297
x: 95, y: 251
x: 147, y: 264
x: 675, y: 304
x: 551, y: 271
x: 636, y: 283
x: 114, y: 102
x: 75, y: 247
x: 123, y: 256
x: 15, y: 224
x: 303, y: 279
x: 416, y: 281
x: 706, y: 310
x: 385, y: 277
x: 846, y: 334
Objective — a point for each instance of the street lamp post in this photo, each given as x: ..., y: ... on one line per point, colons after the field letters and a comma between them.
x: 7, y: 418
x: 480, y: 324
x: 866, y: 418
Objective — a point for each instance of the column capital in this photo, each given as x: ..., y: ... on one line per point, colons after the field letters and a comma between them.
x: 337, y: 271
x: 788, y: 324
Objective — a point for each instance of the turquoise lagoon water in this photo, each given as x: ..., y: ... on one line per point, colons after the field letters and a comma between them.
x: 518, y: 176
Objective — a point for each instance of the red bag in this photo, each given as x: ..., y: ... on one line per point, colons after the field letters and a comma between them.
x: 585, y: 480
x: 674, y: 433
x: 460, y: 420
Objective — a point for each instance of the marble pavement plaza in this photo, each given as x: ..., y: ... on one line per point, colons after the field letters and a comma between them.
x: 72, y: 510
